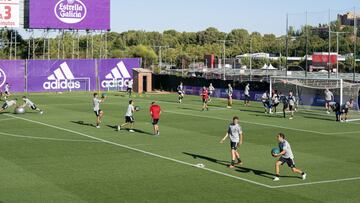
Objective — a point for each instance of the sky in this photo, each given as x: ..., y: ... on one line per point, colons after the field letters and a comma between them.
x: 264, y: 16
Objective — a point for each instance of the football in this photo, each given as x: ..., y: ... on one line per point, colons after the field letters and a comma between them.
x: 19, y: 110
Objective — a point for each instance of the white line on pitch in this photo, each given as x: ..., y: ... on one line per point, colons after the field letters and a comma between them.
x: 6, y: 119
x: 142, y: 151
x: 317, y: 182
x: 45, y: 138
x: 183, y: 162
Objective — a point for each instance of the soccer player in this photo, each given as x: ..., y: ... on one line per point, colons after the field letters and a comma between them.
x: 129, y: 117
x: 130, y: 88
x: 211, y: 91
x: 155, y: 112
x: 96, y: 107
x: 345, y: 109
x: 286, y: 156
x: 247, y: 95
x: 7, y: 104
x: 236, y: 139
x: 265, y: 99
x: 205, y: 98
x: 291, y: 104
x: 230, y: 92
x: 335, y: 106
x: 7, y: 91
x: 30, y: 104
x: 275, y: 100
x: 329, y: 97
x: 181, y: 92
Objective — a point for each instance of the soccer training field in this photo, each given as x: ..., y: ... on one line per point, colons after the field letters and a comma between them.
x: 61, y: 157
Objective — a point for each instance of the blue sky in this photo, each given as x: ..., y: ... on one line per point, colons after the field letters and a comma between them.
x: 264, y: 16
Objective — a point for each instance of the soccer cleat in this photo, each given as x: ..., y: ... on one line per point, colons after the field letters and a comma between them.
x: 41, y: 112
x: 231, y: 166
x: 239, y: 163
x: 276, y: 179
x: 118, y: 128
x: 97, y: 126
x: 132, y: 131
x: 328, y: 112
x: 291, y: 118
x: 304, y: 176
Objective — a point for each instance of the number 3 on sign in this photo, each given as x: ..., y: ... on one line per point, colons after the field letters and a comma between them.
x: 7, y: 14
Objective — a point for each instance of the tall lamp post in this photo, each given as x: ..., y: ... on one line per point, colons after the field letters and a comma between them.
x: 224, y: 54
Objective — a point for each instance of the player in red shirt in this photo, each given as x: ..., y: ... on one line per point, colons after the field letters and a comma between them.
x: 155, y: 111
x: 205, y: 97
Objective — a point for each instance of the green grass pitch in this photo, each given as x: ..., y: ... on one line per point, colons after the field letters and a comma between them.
x: 60, y: 157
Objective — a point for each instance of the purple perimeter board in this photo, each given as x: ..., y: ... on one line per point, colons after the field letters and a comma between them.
x: 12, y: 72
x: 61, y: 75
x: 112, y: 71
x: 69, y: 14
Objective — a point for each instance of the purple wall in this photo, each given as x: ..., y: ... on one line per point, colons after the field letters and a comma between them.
x: 70, y: 14
x: 67, y: 75
x: 12, y: 72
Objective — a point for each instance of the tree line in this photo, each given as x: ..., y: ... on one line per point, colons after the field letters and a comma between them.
x: 184, y: 46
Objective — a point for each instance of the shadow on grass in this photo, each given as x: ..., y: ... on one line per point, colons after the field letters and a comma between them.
x: 239, y: 169
x: 83, y: 123
x: 127, y: 129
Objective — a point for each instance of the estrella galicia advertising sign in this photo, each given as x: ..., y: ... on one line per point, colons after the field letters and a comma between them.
x: 69, y: 14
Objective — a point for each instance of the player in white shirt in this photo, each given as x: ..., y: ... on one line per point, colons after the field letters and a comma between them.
x: 247, y: 95
x: 235, y: 134
x: 7, y: 104
x: 329, y: 97
x: 7, y: 91
x: 265, y: 99
x: 211, y: 91
x: 181, y: 92
x: 129, y: 117
x: 96, y: 107
x: 130, y: 87
x: 286, y: 156
x: 275, y: 100
x: 345, y: 110
x: 30, y: 104
x: 291, y: 104
x: 229, y: 93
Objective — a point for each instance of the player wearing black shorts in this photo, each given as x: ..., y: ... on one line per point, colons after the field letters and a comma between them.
x: 236, y: 139
x: 286, y: 156
x: 345, y: 110
x: 129, y: 117
x: 96, y: 107
x: 7, y: 104
x: 205, y: 98
x: 181, y: 92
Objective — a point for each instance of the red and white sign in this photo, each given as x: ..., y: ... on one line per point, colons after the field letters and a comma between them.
x: 9, y: 13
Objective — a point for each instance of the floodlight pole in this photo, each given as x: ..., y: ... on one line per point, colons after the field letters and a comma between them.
x: 306, y: 44
x: 287, y: 44
x: 224, y: 52
x: 160, y: 53
x: 329, y: 62
x: 337, y: 50
x: 355, y: 40
x: 251, y: 58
